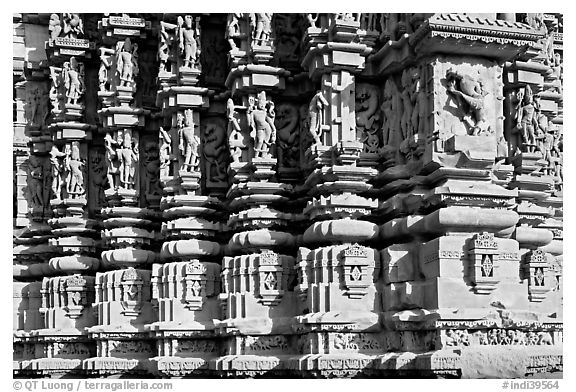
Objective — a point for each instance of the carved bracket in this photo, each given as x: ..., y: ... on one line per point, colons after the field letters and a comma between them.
x: 131, y: 289
x: 76, y: 289
x: 483, y: 256
x: 270, y: 288
x: 535, y: 269
x: 195, y: 286
x: 355, y: 268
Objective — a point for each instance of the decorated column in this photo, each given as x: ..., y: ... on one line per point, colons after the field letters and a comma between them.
x: 257, y: 296
x: 123, y: 297
x: 186, y: 282
x: 454, y: 259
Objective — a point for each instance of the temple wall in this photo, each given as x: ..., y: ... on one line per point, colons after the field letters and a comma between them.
x: 296, y: 195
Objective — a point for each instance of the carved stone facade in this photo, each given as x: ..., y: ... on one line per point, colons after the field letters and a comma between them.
x: 296, y: 195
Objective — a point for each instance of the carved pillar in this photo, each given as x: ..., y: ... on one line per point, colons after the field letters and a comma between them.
x: 334, y: 58
x: 185, y: 285
x: 257, y: 297
x: 122, y: 301
x: 449, y: 166
x: 534, y: 129
x: 71, y: 248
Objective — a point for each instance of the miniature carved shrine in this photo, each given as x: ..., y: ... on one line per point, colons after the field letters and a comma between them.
x: 288, y: 195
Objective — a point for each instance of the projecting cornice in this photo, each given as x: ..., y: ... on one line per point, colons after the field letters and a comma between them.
x: 457, y: 34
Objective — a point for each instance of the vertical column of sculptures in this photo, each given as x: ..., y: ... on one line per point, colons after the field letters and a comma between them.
x: 338, y: 332
x: 31, y: 168
x: 186, y: 282
x: 453, y: 261
x: 257, y: 298
x: 534, y: 125
x: 123, y: 296
x: 62, y: 342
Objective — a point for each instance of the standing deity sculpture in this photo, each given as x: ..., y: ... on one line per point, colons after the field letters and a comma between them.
x: 165, y: 153
x: 187, y: 41
x: 151, y: 169
x: 263, y: 29
x: 233, y: 28
x: 558, y: 72
x: 188, y: 142
x: 407, y: 104
x: 236, y: 140
x: 56, y: 79
x: 57, y: 172
x: 75, y: 168
x: 165, y: 42
x: 105, y: 62
x: 470, y: 97
x: 261, y: 120
x: 36, y: 182
x: 419, y: 104
x: 98, y: 177
x: 127, y: 62
x: 128, y: 155
x: 112, y: 160
x: 526, y: 117
x: 73, y: 81
x: 316, y: 116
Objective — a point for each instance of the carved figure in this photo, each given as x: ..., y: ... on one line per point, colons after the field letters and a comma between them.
x: 98, y: 176
x: 406, y: 119
x: 288, y: 37
x: 105, y: 63
x: 312, y: 19
x: 233, y: 28
x: 151, y: 168
x: 112, y: 160
x: 56, y: 78
x: 368, y: 117
x: 128, y: 155
x: 164, y: 45
x: 236, y: 140
x: 188, y: 143
x: 75, y: 167
x: 213, y: 149
x: 469, y: 94
x: 288, y: 143
x: 36, y: 181
x: 316, y: 116
x: 57, y: 172
x: 420, y: 103
x: 73, y: 82
x: 392, y: 109
x: 261, y: 119
x: 54, y: 26
x: 558, y: 72
x: 127, y: 62
x: 547, y: 52
x: 263, y: 29
x: 165, y: 153
x: 535, y: 20
x: 72, y: 25
x: 187, y: 36
x: 525, y: 117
